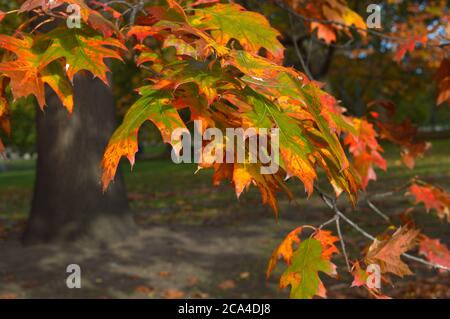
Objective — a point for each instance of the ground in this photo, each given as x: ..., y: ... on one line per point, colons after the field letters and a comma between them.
x: 198, y: 241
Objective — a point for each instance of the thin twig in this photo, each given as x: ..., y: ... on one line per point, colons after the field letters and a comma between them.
x: 379, y: 212
x: 332, y: 220
x: 297, y: 50
x: 341, y: 238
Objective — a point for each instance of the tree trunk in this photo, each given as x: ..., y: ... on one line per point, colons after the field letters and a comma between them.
x: 68, y: 202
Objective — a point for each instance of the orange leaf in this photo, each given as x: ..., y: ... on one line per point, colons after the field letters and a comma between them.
x: 327, y: 240
x: 284, y: 250
x: 386, y: 253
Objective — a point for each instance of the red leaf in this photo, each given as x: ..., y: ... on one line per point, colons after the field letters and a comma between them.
x: 199, y: 2
x: 443, y: 79
x: 433, y: 198
x: 409, y: 46
x: 434, y: 251
x: 142, y: 32
x: 404, y: 135
x: 365, y: 150
x: 359, y: 275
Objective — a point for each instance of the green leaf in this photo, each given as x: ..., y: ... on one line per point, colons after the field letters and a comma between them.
x: 231, y: 21
x: 303, y: 273
x: 81, y: 51
x: 154, y: 105
x: 31, y: 69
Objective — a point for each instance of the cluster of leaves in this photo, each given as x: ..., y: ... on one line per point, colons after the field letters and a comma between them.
x: 328, y: 17
x: 224, y: 65
x: 33, y: 60
x: 423, y: 35
x: 305, y: 259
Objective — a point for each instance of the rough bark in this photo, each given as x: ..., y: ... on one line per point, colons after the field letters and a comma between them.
x: 68, y: 202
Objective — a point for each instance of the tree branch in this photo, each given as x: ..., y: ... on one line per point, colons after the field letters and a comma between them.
x: 331, y: 203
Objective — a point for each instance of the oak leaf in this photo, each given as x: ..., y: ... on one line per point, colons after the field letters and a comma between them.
x: 386, y: 253
x: 154, y: 105
x: 433, y: 198
x: 434, y: 251
x: 303, y: 273
x: 232, y: 21
x: 32, y: 69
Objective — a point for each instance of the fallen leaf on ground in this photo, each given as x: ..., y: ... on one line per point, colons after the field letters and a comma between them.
x: 144, y: 290
x: 244, y: 275
x: 227, y: 284
x: 164, y: 274
x: 173, y: 294
x: 192, y: 281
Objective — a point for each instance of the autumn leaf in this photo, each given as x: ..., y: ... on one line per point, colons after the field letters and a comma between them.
x: 359, y: 275
x: 443, y: 80
x: 360, y: 279
x: 141, y: 32
x: 305, y: 259
x: 409, y: 45
x: 386, y: 253
x: 232, y: 21
x: 327, y: 241
x: 434, y: 251
x: 81, y: 51
x: 267, y: 95
x: 90, y: 16
x: 45, y: 5
x: 342, y: 18
x: 285, y: 250
x: 403, y: 134
x: 433, y: 198
x: 172, y: 293
x: 227, y: 284
x: 31, y: 70
x: 144, y: 290
x: 4, y: 107
x: 115, y: 14
x: 241, y: 179
x: 154, y: 105
x: 38, y: 62
x: 412, y: 151
x: 303, y: 273
x: 182, y: 47
x: 205, y: 77
x: 366, y: 150
x: 268, y: 184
